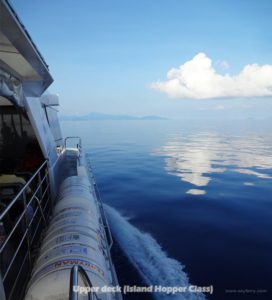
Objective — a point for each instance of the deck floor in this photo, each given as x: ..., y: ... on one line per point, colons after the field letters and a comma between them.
x: 69, y: 164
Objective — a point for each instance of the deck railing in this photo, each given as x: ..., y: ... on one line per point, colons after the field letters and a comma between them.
x: 22, y: 220
x: 78, y: 144
x: 107, y: 230
x: 73, y: 291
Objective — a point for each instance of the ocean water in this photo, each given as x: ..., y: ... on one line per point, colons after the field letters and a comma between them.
x: 189, y: 203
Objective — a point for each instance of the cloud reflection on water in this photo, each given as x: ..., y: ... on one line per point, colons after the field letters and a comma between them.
x: 196, y: 158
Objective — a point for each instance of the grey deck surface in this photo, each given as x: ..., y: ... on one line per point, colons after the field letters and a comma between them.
x: 69, y: 164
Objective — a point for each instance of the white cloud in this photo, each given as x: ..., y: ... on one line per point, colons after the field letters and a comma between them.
x: 197, y: 79
x: 224, y: 64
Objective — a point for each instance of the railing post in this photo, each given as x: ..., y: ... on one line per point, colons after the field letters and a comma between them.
x: 41, y: 210
x: 26, y: 221
x: 48, y: 192
x: 73, y: 283
x: 73, y: 293
x: 2, y: 290
x: 39, y: 184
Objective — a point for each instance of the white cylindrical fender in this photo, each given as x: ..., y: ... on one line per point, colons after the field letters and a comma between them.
x: 76, y: 201
x: 94, y: 231
x: 74, y: 210
x: 74, y: 213
x: 54, y: 282
x: 69, y: 238
x: 75, y: 189
x: 78, y: 251
x: 75, y: 236
x: 75, y: 180
x: 88, y: 231
x: 68, y: 262
x: 68, y: 250
x: 75, y: 222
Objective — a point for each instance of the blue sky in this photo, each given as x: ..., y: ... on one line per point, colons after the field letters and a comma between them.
x: 104, y: 55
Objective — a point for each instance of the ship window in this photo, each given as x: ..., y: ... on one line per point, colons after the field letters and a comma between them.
x: 18, y: 143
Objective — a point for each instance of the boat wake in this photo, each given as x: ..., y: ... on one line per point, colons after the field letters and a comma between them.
x: 146, y: 255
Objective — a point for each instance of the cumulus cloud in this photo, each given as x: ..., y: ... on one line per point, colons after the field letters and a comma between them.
x: 197, y: 79
x: 224, y: 64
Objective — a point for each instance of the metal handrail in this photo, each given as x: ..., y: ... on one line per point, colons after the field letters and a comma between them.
x: 2, y: 292
x: 105, y: 220
x: 106, y: 225
x: 40, y: 208
x: 73, y: 293
x: 73, y: 137
x: 101, y: 207
x: 34, y: 210
x: 23, y: 190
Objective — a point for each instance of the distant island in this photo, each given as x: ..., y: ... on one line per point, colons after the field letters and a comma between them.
x: 104, y: 117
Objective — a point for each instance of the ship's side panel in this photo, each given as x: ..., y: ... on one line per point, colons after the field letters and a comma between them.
x: 40, y: 125
x: 52, y: 117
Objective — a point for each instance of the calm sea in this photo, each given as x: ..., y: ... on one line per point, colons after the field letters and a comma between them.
x: 189, y: 203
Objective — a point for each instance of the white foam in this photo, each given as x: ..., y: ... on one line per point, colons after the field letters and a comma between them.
x: 155, y: 267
